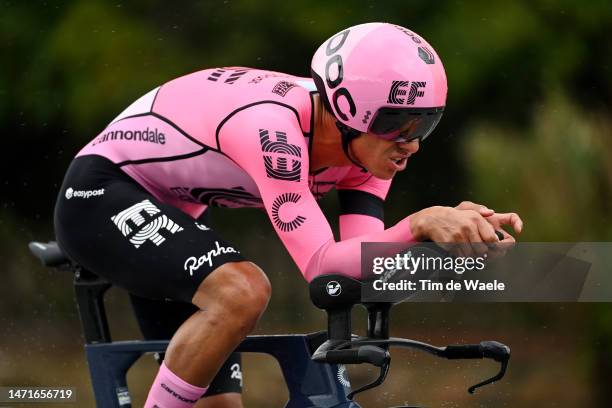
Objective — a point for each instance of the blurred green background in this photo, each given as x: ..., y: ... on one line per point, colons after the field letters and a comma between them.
x: 527, y: 129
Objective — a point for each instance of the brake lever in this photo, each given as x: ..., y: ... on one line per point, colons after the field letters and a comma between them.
x: 499, y: 376
x: 384, y: 370
x: 493, y: 350
x: 498, y: 352
x: 334, y: 352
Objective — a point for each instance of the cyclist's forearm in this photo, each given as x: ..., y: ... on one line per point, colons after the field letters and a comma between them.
x: 355, y: 225
x: 344, y: 257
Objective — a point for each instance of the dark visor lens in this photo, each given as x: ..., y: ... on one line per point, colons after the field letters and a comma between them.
x: 405, y: 124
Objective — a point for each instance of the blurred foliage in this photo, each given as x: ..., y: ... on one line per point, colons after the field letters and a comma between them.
x: 557, y: 173
x: 527, y: 129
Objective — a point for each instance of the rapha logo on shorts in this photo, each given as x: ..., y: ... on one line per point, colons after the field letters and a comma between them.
x: 236, y: 373
x: 70, y: 193
x: 282, y: 199
x: 193, y: 264
x: 283, y: 87
x: 143, y: 222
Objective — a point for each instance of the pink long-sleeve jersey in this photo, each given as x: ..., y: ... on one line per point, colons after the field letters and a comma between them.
x: 240, y: 137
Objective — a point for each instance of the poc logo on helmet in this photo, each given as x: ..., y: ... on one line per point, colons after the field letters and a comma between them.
x: 333, y: 288
x: 336, y: 60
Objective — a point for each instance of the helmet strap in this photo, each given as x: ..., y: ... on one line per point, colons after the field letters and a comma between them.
x: 347, y: 134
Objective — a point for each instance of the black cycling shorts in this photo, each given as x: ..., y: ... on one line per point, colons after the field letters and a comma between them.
x: 109, y: 224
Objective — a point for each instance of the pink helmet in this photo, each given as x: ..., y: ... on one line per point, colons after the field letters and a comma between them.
x: 383, y: 79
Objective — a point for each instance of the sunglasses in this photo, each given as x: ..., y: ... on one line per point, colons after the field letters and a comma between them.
x: 403, y: 125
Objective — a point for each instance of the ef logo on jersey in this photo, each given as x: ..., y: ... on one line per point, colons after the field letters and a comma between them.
x: 142, y: 222
x: 284, y: 153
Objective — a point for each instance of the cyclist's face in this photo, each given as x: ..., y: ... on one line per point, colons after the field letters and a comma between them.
x: 383, y: 158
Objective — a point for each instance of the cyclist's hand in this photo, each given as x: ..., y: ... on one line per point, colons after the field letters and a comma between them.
x: 497, y: 220
x: 479, y: 208
x: 447, y: 225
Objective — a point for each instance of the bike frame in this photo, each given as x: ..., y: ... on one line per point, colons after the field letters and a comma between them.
x: 310, y: 384
x: 312, y: 364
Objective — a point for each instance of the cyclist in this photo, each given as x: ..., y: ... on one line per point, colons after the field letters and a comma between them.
x: 132, y: 202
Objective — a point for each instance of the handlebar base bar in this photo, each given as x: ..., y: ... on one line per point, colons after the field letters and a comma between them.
x: 343, y: 348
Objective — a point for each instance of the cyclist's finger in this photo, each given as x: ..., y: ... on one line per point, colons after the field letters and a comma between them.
x: 481, y: 209
x: 505, y: 235
x: 517, y: 223
x: 465, y: 205
x: 486, y: 231
x: 512, y: 219
x: 503, y: 246
x: 477, y: 246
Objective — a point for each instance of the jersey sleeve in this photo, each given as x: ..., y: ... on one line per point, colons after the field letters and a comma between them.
x: 361, y: 197
x: 267, y: 142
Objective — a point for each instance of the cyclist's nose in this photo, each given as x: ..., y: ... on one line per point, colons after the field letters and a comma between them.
x: 411, y: 147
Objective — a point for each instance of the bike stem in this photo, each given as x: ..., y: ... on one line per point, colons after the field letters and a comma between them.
x: 344, y: 348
